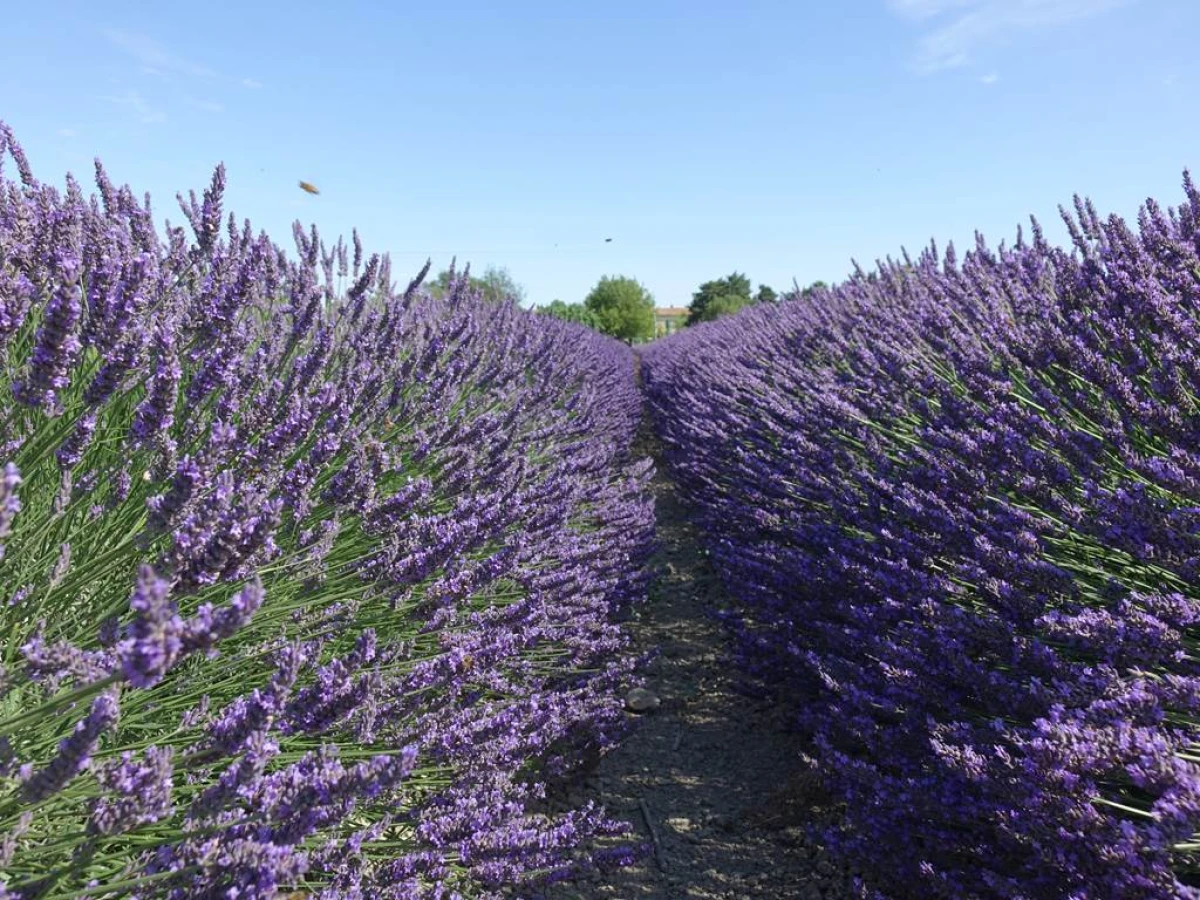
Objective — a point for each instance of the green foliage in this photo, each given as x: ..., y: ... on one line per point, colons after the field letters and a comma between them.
x: 496, y: 285
x: 725, y: 305
x: 623, y: 308
x: 813, y: 288
x: 571, y: 312
x: 724, y: 296
x: 732, y: 286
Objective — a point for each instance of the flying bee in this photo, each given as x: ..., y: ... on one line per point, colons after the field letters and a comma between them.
x: 311, y: 188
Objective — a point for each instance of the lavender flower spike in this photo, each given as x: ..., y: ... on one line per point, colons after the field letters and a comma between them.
x: 74, y: 753
x: 56, y: 345
x: 154, y: 642
x: 139, y: 791
x: 208, y: 627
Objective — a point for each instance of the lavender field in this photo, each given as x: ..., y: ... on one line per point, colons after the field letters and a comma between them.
x: 958, y: 503
x: 314, y: 586
x: 304, y: 587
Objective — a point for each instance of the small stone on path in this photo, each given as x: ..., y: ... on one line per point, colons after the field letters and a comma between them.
x: 641, y: 700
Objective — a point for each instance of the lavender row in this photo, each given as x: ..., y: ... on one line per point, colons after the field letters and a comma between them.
x: 306, y: 583
x: 958, y: 501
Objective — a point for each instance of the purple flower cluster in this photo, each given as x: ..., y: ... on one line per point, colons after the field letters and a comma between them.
x: 350, y: 566
x: 135, y: 792
x: 74, y: 753
x: 957, y: 503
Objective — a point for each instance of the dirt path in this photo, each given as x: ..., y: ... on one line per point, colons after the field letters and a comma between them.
x: 714, y: 771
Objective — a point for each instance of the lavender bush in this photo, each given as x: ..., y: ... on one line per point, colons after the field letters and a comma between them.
x: 959, y: 504
x: 308, y: 584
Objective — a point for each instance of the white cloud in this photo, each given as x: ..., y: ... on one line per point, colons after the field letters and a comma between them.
x: 956, y: 27
x: 153, y: 56
x: 990, y: 78
x: 252, y: 84
x: 68, y: 132
x: 137, y: 104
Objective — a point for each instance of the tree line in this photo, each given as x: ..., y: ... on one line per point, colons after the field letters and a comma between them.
x: 623, y: 308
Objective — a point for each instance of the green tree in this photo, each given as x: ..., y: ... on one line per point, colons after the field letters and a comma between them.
x: 495, y: 285
x: 725, y: 305
x: 498, y: 284
x: 733, y: 292
x: 570, y: 312
x: 813, y: 288
x: 623, y: 308
x: 765, y: 294
x: 732, y: 286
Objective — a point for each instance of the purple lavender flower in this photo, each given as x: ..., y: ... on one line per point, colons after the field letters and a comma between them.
x: 154, y: 640
x: 72, y: 449
x: 165, y: 508
x: 63, y: 661
x: 952, y: 499
x: 17, y: 295
x: 74, y: 752
x: 138, y: 791
x: 55, y: 346
x: 458, y: 473
x: 156, y: 413
x: 208, y: 627
x: 9, y: 142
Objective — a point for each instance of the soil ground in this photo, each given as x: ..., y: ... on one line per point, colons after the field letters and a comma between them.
x: 712, y: 778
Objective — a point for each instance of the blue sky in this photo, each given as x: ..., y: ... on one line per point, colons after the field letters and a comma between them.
x: 780, y: 139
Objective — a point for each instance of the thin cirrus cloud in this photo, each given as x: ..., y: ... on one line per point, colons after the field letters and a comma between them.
x: 955, y: 28
x: 138, y: 105
x: 153, y: 56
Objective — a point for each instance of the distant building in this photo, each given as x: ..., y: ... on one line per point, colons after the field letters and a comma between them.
x: 669, y: 319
